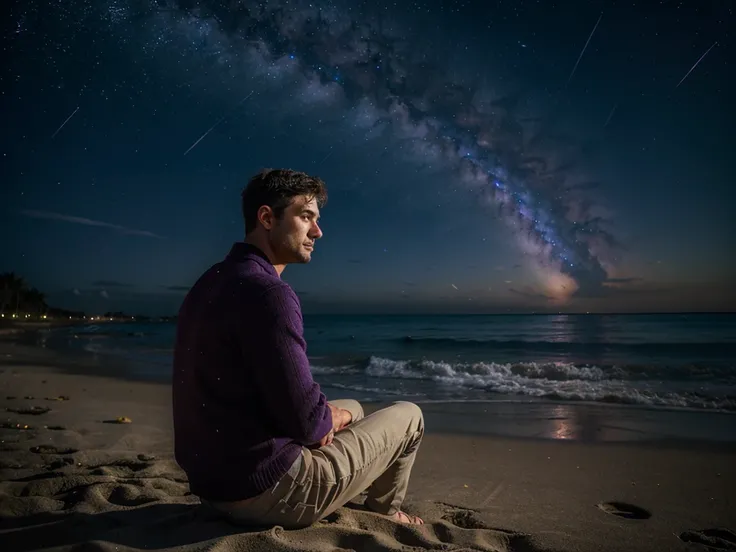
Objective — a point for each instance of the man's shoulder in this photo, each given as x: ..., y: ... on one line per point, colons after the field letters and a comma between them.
x: 264, y: 290
x: 246, y: 287
x: 278, y: 297
x: 267, y: 290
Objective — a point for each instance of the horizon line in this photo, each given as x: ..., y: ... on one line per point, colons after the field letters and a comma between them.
x: 359, y: 313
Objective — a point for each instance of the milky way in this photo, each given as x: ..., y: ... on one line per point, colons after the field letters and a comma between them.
x: 383, y: 86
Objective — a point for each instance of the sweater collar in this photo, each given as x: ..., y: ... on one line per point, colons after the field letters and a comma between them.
x: 241, y: 251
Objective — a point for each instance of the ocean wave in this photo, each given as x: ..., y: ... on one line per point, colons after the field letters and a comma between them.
x: 373, y: 390
x: 556, y: 371
x: 674, y: 347
x: 557, y: 381
x: 328, y: 370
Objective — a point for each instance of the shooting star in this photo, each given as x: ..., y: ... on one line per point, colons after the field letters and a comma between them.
x: 610, y: 116
x: 584, y: 48
x: 89, y: 222
x: 696, y: 64
x: 64, y: 123
x: 215, y: 125
x: 453, y: 285
x: 204, y: 135
x: 326, y: 156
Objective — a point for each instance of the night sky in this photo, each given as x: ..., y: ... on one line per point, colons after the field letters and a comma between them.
x: 481, y: 156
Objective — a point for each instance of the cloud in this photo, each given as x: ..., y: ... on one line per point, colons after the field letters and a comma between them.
x: 626, y: 286
x: 531, y: 294
x: 89, y: 222
x: 110, y: 283
x: 622, y: 280
x: 177, y: 288
x: 610, y: 291
x: 131, y: 301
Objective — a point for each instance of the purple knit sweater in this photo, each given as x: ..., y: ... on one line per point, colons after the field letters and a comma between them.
x: 244, y: 399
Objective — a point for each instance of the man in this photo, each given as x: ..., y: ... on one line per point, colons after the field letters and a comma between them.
x: 255, y: 434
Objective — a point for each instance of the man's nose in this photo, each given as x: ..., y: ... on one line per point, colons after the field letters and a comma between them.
x: 316, y: 231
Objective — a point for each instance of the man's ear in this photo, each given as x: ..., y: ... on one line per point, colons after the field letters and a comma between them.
x: 266, y: 216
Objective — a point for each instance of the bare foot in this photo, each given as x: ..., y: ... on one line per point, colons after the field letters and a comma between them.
x: 401, y: 517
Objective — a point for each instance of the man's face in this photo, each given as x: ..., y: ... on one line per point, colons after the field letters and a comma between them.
x: 292, y: 237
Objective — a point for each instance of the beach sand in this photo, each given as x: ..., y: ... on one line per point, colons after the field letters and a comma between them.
x: 71, y: 479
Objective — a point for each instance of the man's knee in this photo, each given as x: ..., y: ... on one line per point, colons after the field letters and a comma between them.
x: 355, y: 408
x: 410, y: 412
x: 358, y: 408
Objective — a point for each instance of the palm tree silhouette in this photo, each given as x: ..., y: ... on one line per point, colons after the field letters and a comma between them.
x: 15, y: 293
x: 13, y: 287
x: 36, y: 301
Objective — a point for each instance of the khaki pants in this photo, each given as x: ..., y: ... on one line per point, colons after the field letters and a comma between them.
x: 374, y: 452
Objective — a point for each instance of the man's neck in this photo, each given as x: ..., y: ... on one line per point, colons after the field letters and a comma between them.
x: 262, y: 244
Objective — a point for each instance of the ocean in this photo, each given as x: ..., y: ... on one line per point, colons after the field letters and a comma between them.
x: 669, y: 361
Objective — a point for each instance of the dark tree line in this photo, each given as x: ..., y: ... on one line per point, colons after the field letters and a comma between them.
x: 16, y: 296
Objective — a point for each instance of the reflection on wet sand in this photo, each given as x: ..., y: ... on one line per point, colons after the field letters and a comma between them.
x: 573, y: 424
x: 585, y: 423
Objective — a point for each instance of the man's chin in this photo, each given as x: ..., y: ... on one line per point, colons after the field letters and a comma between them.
x: 304, y: 257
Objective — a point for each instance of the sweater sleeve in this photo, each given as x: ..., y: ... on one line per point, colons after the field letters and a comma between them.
x: 282, y: 375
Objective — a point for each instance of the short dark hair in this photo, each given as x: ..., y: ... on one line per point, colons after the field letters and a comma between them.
x: 277, y: 188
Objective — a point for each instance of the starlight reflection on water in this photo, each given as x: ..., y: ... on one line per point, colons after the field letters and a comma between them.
x: 570, y: 423
x: 562, y: 423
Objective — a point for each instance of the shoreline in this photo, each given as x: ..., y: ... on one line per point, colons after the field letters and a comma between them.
x: 522, y: 418
x: 375, y: 367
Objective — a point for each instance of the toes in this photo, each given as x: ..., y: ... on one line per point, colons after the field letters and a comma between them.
x: 403, y: 517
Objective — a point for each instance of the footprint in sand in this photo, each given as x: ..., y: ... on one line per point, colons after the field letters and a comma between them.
x: 122, y: 483
x: 624, y: 510
x: 50, y: 449
x: 130, y: 495
x: 458, y: 528
x: 714, y: 539
x: 120, y: 468
x: 62, y: 462
x: 466, y: 518
x: 32, y: 410
x: 11, y: 465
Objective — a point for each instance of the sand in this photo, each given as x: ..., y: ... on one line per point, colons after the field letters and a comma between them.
x: 71, y: 478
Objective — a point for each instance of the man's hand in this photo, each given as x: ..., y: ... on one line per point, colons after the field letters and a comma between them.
x: 341, y: 418
x: 327, y: 439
